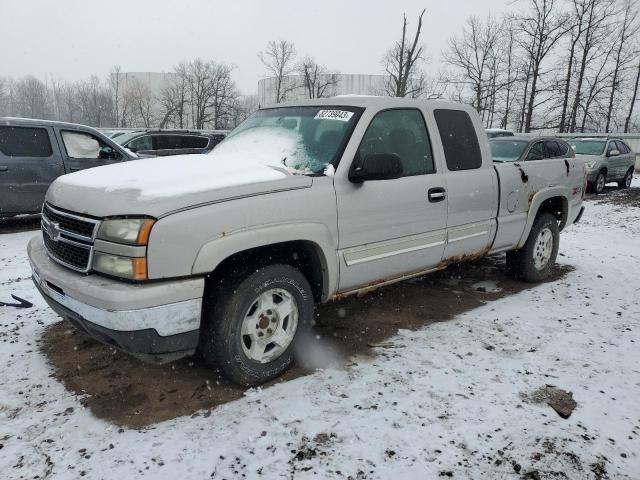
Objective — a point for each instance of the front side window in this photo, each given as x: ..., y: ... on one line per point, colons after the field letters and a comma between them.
x: 140, y: 143
x: 588, y: 147
x: 84, y: 145
x: 459, y: 140
x: 507, y: 151
x: 401, y: 132
x: 536, y: 152
x: 303, y: 140
x: 25, y: 142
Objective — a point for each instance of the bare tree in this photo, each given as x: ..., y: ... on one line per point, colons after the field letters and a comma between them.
x: 542, y: 28
x: 627, y: 28
x: 475, y: 58
x: 279, y: 59
x: 594, y: 17
x: 116, y: 88
x: 402, y: 62
x: 317, y: 81
x: 632, y: 103
x: 32, y: 98
x: 141, y: 100
x: 173, y: 100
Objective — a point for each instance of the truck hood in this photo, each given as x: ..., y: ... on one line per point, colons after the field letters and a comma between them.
x: 158, y: 186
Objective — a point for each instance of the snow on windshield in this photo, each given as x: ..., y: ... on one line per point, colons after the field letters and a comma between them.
x: 272, y: 146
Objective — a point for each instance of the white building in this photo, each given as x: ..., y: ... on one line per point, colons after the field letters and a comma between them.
x: 346, y: 84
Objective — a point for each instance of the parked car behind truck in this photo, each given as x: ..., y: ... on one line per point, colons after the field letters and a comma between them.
x: 607, y: 160
x: 33, y: 153
x: 302, y: 203
x: 170, y: 142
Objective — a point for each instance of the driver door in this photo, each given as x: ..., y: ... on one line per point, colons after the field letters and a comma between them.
x: 394, y: 227
x: 84, y: 150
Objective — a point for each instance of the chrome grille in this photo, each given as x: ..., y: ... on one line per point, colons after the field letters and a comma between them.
x: 69, y: 237
x: 71, y: 223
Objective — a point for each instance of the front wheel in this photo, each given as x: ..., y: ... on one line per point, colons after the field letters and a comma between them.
x: 252, y: 325
x: 626, y: 181
x: 535, y: 260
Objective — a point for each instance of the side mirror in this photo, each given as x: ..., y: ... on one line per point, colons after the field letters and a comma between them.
x: 614, y: 153
x: 376, y: 166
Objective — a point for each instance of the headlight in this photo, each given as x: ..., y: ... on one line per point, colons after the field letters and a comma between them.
x: 590, y: 165
x: 118, y: 266
x: 132, y: 231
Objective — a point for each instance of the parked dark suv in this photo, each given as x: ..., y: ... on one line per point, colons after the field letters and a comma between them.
x: 170, y: 142
x: 33, y: 153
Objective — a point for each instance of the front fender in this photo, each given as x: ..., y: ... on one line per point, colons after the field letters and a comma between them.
x: 213, y: 253
x: 537, y: 199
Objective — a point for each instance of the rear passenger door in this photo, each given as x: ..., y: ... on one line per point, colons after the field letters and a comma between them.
x: 29, y: 161
x: 627, y: 155
x: 472, y: 189
x: 84, y: 150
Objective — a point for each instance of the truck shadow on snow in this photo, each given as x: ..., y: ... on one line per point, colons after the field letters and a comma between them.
x: 121, y: 389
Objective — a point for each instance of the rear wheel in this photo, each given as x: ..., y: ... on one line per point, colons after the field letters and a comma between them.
x: 626, y: 181
x: 535, y: 260
x: 601, y: 181
x: 252, y: 325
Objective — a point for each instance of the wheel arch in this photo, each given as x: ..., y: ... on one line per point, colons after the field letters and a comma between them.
x: 553, y: 200
x: 235, y: 253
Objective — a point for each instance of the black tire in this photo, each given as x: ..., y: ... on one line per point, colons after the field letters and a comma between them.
x: 597, y: 187
x: 626, y: 181
x: 521, y: 264
x: 221, y: 341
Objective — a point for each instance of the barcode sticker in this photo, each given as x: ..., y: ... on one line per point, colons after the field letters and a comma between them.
x: 342, y: 115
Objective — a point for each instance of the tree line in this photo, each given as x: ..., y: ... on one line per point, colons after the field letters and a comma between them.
x: 560, y: 65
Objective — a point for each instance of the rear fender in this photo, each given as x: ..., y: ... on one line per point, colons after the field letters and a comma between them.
x: 537, y: 199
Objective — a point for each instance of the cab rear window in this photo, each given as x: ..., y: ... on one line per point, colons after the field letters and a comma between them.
x: 459, y: 140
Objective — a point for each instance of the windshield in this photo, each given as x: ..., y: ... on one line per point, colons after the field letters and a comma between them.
x: 588, y: 147
x: 303, y: 140
x: 504, y: 151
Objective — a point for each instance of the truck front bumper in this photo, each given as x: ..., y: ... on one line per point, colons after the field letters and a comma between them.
x: 156, y: 321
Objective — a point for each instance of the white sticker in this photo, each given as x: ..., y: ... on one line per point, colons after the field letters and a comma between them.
x: 342, y: 115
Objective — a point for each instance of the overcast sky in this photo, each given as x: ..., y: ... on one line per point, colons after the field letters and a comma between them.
x: 73, y: 39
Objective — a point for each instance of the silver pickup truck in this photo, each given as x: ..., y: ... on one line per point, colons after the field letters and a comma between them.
x: 305, y: 202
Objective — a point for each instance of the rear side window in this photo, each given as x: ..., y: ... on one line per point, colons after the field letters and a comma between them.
x: 25, y: 142
x: 553, y: 150
x: 622, y: 147
x: 459, y: 140
x: 190, y: 141
x: 564, y: 147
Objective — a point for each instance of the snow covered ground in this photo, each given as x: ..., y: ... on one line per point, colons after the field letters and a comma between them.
x: 449, y: 400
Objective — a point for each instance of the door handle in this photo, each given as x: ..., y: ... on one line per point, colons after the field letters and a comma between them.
x: 437, y: 194
x: 74, y: 169
x: 3, y: 168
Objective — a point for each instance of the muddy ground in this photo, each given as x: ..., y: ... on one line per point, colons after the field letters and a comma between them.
x: 123, y: 390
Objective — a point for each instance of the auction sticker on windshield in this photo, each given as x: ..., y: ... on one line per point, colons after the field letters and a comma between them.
x: 342, y: 115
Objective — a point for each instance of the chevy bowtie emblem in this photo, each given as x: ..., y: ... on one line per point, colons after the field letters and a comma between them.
x: 53, y: 229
